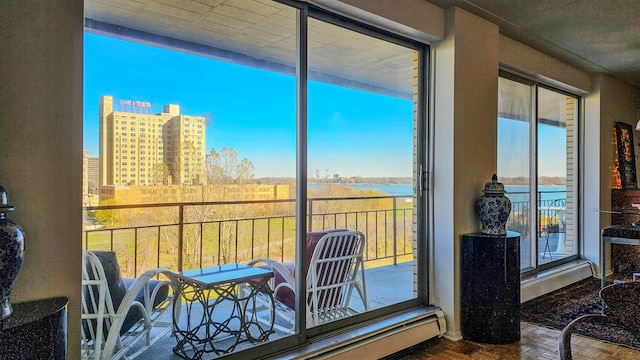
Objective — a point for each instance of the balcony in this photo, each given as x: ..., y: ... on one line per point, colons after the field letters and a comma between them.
x: 183, y: 236
x: 188, y: 235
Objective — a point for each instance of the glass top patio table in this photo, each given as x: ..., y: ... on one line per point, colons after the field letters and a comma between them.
x: 204, y: 291
x: 212, y: 276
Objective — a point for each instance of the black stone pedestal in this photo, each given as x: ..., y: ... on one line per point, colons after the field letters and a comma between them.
x: 36, y: 330
x: 491, y: 288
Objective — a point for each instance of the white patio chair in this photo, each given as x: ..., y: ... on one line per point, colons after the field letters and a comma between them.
x: 335, y: 258
x: 121, y: 318
x: 555, y: 213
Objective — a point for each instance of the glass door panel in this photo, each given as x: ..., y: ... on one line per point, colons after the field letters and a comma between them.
x: 213, y: 132
x: 515, y: 109
x: 556, y: 165
x: 537, y: 161
x: 361, y: 137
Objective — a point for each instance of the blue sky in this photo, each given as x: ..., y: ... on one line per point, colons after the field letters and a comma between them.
x: 352, y: 133
x: 513, y: 145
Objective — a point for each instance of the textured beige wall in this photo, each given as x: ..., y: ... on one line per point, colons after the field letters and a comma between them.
x: 466, y: 100
x: 609, y: 101
x: 618, y: 104
x: 542, y: 67
x: 591, y: 164
x: 41, y: 145
x: 476, y: 108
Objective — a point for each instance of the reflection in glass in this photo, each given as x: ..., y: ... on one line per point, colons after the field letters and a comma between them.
x: 360, y: 144
x: 514, y: 121
x: 556, y: 122
x: 230, y: 176
x: 545, y: 216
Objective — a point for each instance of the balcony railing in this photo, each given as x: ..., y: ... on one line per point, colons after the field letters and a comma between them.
x: 519, y: 218
x: 182, y: 236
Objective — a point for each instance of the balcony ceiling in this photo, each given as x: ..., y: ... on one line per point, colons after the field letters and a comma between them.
x: 257, y: 33
x: 595, y: 35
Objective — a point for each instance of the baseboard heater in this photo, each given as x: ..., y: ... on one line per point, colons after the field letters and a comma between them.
x: 555, y: 279
x: 378, y: 339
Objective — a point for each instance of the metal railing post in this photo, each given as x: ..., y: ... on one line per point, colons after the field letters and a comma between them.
x: 395, y: 239
x: 310, y: 211
x: 180, y: 236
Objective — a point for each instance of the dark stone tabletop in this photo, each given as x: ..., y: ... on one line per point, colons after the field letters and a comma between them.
x: 30, y: 311
x: 622, y: 231
x: 510, y: 234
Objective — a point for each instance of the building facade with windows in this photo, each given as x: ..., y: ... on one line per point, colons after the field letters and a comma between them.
x: 122, y: 195
x: 93, y: 173
x: 138, y: 148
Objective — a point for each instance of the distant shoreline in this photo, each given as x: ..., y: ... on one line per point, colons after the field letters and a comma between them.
x: 542, y: 181
x: 392, y: 180
x: 391, y: 189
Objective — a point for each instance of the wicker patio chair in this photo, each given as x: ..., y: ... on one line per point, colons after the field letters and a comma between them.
x: 335, y: 258
x: 121, y: 318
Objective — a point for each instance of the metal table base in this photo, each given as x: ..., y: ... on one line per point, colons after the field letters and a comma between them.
x: 219, y: 302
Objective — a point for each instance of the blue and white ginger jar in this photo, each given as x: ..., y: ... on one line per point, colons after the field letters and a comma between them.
x: 11, y: 254
x: 494, y: 208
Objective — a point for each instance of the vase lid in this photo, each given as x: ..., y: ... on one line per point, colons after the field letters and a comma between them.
x: 494, y: 187
x: 4, y: 206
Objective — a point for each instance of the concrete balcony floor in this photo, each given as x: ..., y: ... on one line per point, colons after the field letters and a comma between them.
x: 385, y: 285
x: 547, y: 250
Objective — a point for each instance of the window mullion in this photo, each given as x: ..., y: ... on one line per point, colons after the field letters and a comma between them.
x: 301, y: 169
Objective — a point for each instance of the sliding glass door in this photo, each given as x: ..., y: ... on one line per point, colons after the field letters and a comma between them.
x: 247, y: 133
x: 537, y: 161
x: 556, y: 188
x: 361, y: 117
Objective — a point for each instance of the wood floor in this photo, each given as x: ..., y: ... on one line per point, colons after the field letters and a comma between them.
x: 536, y: 342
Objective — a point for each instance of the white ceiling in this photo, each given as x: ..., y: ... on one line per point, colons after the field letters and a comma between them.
x: 595, y: 35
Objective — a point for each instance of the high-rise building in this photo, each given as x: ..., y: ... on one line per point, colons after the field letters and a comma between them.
x: 94, y: 174
x: 89, y: 179
x: 85, y: 172
x: 139, y: 148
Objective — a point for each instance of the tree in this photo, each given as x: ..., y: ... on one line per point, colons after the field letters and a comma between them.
x: 111, y: 217
x: 223, y: 171
x: 244, y: 172
x: 223, y: 167
x: 161, y: 174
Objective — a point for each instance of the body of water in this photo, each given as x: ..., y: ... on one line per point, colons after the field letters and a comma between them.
x: 520, y: 193
x: 516, y: 193
x: 391, y: 189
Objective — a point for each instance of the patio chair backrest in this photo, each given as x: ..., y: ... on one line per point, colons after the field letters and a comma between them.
x: 285, y: 294
x: 312, y: 241
x: 98, y: 307
x: 112, y: 307
x: 558, y: 211
x: 333, y: 270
